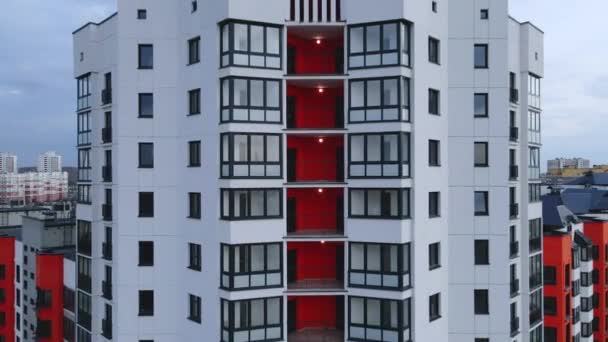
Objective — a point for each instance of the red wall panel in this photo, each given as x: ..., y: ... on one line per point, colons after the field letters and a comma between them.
x: 315, y: 260
x: 314, y: 210
x: 598, y: 233
x: 315, y: 160
x: 313, y: 58
x: 49, y: 277
x: 315, y: 312
x: 314, y: 109
x: 7, y: 259
x: 558, y: 253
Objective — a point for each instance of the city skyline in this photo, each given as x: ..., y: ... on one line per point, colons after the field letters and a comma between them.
x: 575, y: 95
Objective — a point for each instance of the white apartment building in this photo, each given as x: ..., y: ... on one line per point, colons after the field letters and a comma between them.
x: 33, y: 187
x: 562, y: 163
x: 49, y: 162
x: 304, y: 172
x: 8, y: 163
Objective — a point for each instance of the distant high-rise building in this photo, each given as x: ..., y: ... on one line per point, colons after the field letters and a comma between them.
x: 8, y: 163
x: 558, y: 164
x: 49, y: 162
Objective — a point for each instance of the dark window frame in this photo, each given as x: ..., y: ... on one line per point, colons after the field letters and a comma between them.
x: 194, y: 153
x: 481, y: 299
x: 434, y: 49
x: 194, y: 308
x: 146, y: 253
x: 84, y: 128
x: 232, y: 192
x: 230, y: 51
x: 486, y: 197
x: 141, y: 163
x: 144, y: 310
x: 403, y: 212
x: 434, y: 307
x: 83, y: 92
x: 141, y: 98
x: 195, y: 256
x: 245, y: 319
x: 434, y: 208
x: 402, y: 137
x: 194, y: 52
x: 481, y: 252
x: 140, y: 64
x: 227, y: 276
x: 486, y: 98
x: 403, y: 27
x: 434, y: 97
x: 230, y: 107
x: 486, y: 157
x: 230, y: 164
x: 434, y: 153
x: 142, y: 14
x: 486, y: 62
x: 403, y: 102
x: 402, y: 327
x: 434, y: 255
x: 194, y: 205
x: 194, y: 101
x: 143, y: 213
x: 404, y: 270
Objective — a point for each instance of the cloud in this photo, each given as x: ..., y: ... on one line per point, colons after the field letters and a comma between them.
x: 598, y: 88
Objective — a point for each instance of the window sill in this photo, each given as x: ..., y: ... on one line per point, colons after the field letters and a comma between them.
x: 431, y: 268
x: 194, y: 268
x: 145, y: 68
x: 436, y: 114
x: 434, y: 318
x: 145, y: 216
x: 145, y: 167
x: 482, y: 165
x: 195, y: 165
x: 145, y: 265
x: 482, y: 214
x: 145, y: 116
x: 193, y: 62
x: 434, y: 165
x: 485, y: 67
x: 145, y: 314
x: 194, y: 217
x: 195, y: 320
x: 193, y: 114
x: 481, y: 116
x: 434, y: 216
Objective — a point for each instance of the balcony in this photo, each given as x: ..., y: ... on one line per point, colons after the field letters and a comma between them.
x: 106, y: 289
x: 106, y: 251
x: 513, y: 210
x: 535, y: 244
x: 514, y: 326
x: 514, y: 287
x: 106, y: 328
x: 315, y: 266
x: 535, y: 315
x: 514, y: 249
x: 315, y: 50
x: 84, y: 283
x: 315, y: 212
x: 315, y: 318
x: 315, y: 105
x: 315, y: 159
x: 513, y: 172
x: 84, y: 319
x: 106, y: 96
x: 536, y: 280
x: 106, y: 173
x: 514, y: 95
x: 84, y: 245
x: 106, y: 135
x: 514, y: 134
x: 106, y: 212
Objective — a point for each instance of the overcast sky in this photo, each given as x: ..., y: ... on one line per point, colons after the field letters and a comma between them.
x: 37, y: 96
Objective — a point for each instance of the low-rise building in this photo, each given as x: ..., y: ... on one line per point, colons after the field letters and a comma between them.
x: 33, y: 187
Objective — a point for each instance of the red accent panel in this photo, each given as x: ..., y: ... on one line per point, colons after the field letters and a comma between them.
x: 315, y: 109
x: 7, y: 259
x: 315, y: 211
x: 598, y: 233
x: 49, y: 277
x: 315, y: 312
x: 315, y: 260
x: 558, y: 253
x: 315, y: 160
x: 313, y: 58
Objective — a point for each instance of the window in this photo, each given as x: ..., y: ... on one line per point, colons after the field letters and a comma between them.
x: 84, y: 165
x: 248, y: 44
x: 434, y: 101
x: 248, y: 155
x: 434, y: 6
x: 259, y: 319
x: 481, y: 154
x: 146, y: 56
x: 379, y: 99
x: 84, y: 128
x: 481, y: 105
x: 550, y: 306
x: 146, y: 253
x: 434, y: 307
x: 536, y: 303
x: 194, y: 50
x: 379, y: 203
x: 84, y: 194
x: 434, y: 204
x: 194, y: 153
x: 434, y: 255
x: 374, y: 265
x: 83, y: 92
x: 482, y: 252
x: 482, y: 306
x: 2, y: 272
x: 549, y: 275
x: 484, y: 14
x: 192, y: 10
x: 379, y: 155
x: 377, y: 45
x: 146, y: 105
x: 481, y: 203
x: 84, y: 311
x: 194, y: 205
x: 195, y: 258
x: 535, y: 234
x: 250, y: 204
x: 84, y: 273
x: 252, y: 266
x: 534, y: 192
x: 251, y: 100
x: 434, y: 153
x: 146, y: 155
x: 536, y: 269
x: 534, y: 91
x: 194, y: 312
x: 142, y: 14
x: 146, y: 204
x: 434, y: 50
x: 534, y: 131
x: 146, y: 303
x: 375, y: 319
x: 481, y: 56
x: 534, y: 163
x: 194, y: 102
x: 84, y: 237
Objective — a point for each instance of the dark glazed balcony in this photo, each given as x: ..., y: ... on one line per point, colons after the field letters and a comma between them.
x: 513, y: 172
x: 513, y: 210
x: 315, y: 104
x: 106, y: 96
x: 513, y: 95
x: 84, y: 283
x: 514, y: 287
x: 535, y: 315
x: 106, y: 328
x: 314, y: 159
x: 106, y: 212
x: 535, y: 244
x: 84, y: 319
x: 315, y: 266
x: 315, y: 50
x: 315, y: 212
x: 106, y: 135
x: 106, y: 173
x: 106, y: 289
x: 106, y: 250
x: 514, y: 249
x: 315, y: 319
x: 514, y: 133
x: 514, y: 326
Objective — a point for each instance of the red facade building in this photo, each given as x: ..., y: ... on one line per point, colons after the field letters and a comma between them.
x: 50, y: 301
x: 7, y: 289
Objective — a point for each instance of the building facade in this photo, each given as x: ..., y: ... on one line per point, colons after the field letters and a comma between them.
x: 8, y: 163
x: 557, y: 165
x: 292, y: 173
x: 49, y: 162
x: 19, y: 189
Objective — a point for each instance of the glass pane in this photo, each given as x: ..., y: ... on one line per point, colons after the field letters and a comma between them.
x: 240, y: 37
x: 390, y: 93
x: 357, y: 256
x: 225, y: 38
x: 480, y: 104
x: 273, y: 311
x: 373, y: 202
x: 257, y: 312
x: 373, y: 258
x: 257, y: 203
x: 274, y: 257
x: 356, y: 40
x: 257, y: 38
x: 240, y: 92
x: 373, y: 312
x: 373, y: 38
x: 391, y: 146
x: 373, y: 93
x: 257, y: 148
x: 272, y: 148
x: 257, y: 93
x: 225, y: 92
x: 357, y: 94
x: 240, y: 203
x: 240, y: 148
x: 273, y: 202
x: 257, y: 258
x: 373, y: 147
x: 389, y: 40
x: 480, y: 154
x: 393, y: 195
x: 272, y: 40
x: 357, y: 148
x: 357, y: 202
x: 272, y: 94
